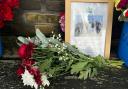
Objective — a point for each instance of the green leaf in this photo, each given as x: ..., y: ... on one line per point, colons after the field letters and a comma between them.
x: 76, y: 68
x: 99, y: 61
x: 54, y: 41
x: 69, y: 65
x: 83, y: 75
x: 45, y: 65
x: 72, y: 48
x: 94, y: 72
x: 52, y: 71
x: 35, y: 40
x: 42, y: 38
x: 23, y: 39
x: 55, y: 71
x: 89, y: 72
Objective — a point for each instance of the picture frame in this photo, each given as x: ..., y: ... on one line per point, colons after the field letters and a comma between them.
x: 88, y: 25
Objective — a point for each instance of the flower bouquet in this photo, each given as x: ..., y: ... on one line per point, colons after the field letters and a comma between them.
x: 44, y: 58
x: 6, y: 10
x: 122, y: 5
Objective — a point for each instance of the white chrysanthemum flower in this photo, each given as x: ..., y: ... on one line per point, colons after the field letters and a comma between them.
x: 57, y: 38
x: 53, y: 37
x: 28, y: 79
x: 59, y: 35
x: 56, y: 46
x: 45, y: 80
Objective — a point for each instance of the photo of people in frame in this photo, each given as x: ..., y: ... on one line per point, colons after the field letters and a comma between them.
x: 88, y: 27
x: 78, y: 26
x: 95, y: 23
x: 87, y: 21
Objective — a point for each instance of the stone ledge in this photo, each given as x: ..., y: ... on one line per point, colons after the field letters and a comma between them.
x: 37, y: 17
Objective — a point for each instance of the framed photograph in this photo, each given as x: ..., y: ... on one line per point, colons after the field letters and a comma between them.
x: 89, y: 25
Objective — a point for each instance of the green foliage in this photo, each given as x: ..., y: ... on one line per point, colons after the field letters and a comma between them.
x: 76, y: 68
x: 116, y: 64
x: 88, y: 67
x: 58, y: 58
x: 22, y: 39
x: 55, y: 58
x: 45, y: 65
x: 42, y: 38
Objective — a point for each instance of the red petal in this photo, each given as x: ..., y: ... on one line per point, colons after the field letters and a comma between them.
x: 6, y: 13
x: 20, y: 71
x: 22, y: 51
x: 28, y: 62
x: 37, y: 75
x: 11, y: 3
x: 26, y: 50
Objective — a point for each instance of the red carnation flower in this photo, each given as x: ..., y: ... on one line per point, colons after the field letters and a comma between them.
x: 25, y: 51
x: 11, y: 3
x: 37, y: 75
x: 22, y: 51
x: 6, y: 13
x: 38, y: 79
x: 28, y: 62
x: 20, y: 71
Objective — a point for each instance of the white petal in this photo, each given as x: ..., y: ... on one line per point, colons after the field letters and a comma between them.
x: 28, y: 79
x: 45, y: 80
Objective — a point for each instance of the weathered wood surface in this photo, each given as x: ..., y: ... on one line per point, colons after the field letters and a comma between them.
x: 108, y: 79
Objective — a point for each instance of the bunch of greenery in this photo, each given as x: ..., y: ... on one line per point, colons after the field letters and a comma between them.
x: 55, y: 57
